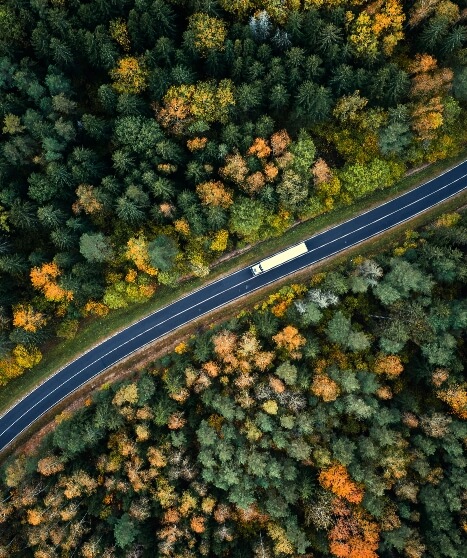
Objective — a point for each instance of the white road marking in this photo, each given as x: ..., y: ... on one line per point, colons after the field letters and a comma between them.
x: 233, y: 299
x: 221, y: 279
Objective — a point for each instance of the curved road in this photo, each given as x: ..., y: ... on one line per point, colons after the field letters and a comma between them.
x: 212, y: 296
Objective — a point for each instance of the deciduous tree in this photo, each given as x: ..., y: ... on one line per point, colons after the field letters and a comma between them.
x: 209, y: 33
x: 336, y: 479
x: 130, y: 76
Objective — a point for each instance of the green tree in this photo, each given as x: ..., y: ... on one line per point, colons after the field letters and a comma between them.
x: 292, y: 190
x: 338, y: 328
x: 401, y: 280
x: 304, y: 151
x: 247, y: 216
x: 339, y: 331
x: 313, y: 103
x: 162, y: 252
x: 96, y: 247
x: 287, y: 372
x: 128, y: 210
x: 394, y: 139
x: 50, y: 216
x: 279, y: 97
x: 358, y: 179
x: 459, y: 85
x: 125, y: 531
x: 309, y: 312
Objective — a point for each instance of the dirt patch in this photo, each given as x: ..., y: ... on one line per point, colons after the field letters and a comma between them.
x: 131, y: 366
x: 417, y: 169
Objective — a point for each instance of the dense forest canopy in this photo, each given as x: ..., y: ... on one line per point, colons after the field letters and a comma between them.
x: 141, y: 139
x: 328, y: 421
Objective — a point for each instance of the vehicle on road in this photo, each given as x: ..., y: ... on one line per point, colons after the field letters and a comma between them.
x: 280, y: 258
x: 225, y: 290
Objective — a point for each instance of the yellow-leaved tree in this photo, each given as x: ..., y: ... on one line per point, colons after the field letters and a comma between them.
x: 130, y: 76
x: 209, y: 33
x: 205, y: 101
x: 27, y: 357
x: 137, y: 252
x: 379, y: 27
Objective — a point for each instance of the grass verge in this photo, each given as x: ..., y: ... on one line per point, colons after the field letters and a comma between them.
x: 93, y: 331
x: 131, y: 366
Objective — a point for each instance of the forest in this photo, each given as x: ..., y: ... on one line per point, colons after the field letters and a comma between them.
x: 142, y: 139
x: 327, y: 421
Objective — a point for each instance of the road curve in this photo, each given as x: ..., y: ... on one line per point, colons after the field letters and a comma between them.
x: 213, y: 295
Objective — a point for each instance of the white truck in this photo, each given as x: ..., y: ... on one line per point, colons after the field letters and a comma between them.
x: 280, y: 258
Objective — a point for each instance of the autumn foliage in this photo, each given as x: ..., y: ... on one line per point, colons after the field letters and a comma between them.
x: 129, y: 76
x: 207, y: 101
x: 26, y: 317
x: 119, y: 32
x: 279, y: 142
x: 196, y: 144
x: 379, y: 26
x: 143, y: 140
x: 325, y: 388
x: 354, y: 534
x: 456, y: 397
x: 289, y: 338
x: 389, y: 365
x: 235, y: 168
x: 87, y: 200
x: 260, y: 148
x: 137, y: 252
x: 45, y: 278
x: 209, y: 32
x: 214, y: 193
x: 336, y: 479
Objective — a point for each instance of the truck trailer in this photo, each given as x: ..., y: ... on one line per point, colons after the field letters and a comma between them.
x: 280, y: 258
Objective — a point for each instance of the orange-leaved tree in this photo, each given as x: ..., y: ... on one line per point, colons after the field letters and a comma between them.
x: 353, y: 534
x: 260, y: 148
x: 336, y: 479
x: 389, y: 365
x: 224, y: 343
x: 87, y: 200
x: 45, y: 279
x: 26, y: 317
x: 290, y: 339
x: 214, y: 193
x: 197, y: 143
x: 279, y: 142
x: 456, y: 397
x: 325, y: 388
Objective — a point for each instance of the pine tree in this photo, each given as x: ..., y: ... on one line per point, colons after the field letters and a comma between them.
x: 260, y: 26
x: 313, y: 103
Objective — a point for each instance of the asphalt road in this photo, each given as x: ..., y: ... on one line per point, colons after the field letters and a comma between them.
x: 220, y: 292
